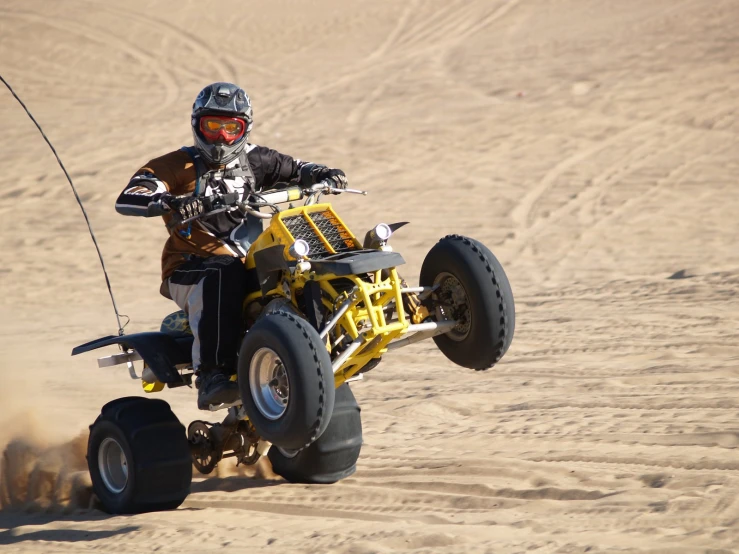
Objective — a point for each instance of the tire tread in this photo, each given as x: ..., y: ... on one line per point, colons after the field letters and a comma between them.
x: 165, y: 453
x: 505, y: 313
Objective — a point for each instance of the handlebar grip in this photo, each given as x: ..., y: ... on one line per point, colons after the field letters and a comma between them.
x: 289, y: 194
x: 294, y: 193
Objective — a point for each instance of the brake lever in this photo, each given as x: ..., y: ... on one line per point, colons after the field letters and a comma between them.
x: 325, y: 187
x: 352, y: 191
x: 337, y: 190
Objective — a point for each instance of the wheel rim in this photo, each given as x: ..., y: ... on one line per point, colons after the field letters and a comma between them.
x: 113, y: 465
x: 269, y: 384
x: 453, y: 305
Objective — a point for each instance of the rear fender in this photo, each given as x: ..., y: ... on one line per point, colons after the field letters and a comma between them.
x: 161, y: 352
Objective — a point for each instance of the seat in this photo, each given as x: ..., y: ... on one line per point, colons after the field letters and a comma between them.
x: 176, y: 325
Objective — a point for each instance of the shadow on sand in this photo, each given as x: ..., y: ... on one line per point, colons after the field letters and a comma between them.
x: 16, y: 526
x: 232, y: 484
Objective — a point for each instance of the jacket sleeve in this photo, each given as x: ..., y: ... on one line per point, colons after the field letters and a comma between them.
x: 143, y: 192
x: 275, y: 167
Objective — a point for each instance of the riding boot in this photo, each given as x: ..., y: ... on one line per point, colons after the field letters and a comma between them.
x: 214, y: 388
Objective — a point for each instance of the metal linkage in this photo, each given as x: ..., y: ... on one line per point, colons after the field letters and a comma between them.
x: 417, y: 290
x: 122, y: 358
x: 339, y: 313
x: 344, y: 356
x: 423, y: 331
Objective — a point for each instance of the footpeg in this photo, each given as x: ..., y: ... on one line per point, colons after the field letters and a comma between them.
x: 218, y: 407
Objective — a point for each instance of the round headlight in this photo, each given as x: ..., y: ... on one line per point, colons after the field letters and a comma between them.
x: 299, y: 249
x: 382, y: 232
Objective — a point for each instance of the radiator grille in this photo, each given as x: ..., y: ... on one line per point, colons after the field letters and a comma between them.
x: 333, y: 231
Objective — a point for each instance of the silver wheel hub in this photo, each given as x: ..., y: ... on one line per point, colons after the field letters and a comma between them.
x: 113, y: 465
x: 453, y: 305
x: 270, y: 387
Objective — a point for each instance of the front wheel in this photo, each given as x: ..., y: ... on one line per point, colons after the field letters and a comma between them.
x: 286, y: 380
x: 139, y: 457
x: 472, y: 289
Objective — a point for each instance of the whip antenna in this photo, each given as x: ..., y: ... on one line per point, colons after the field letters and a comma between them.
x: 79, y: 201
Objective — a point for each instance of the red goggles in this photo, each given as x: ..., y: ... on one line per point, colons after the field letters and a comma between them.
x: 229, y: 129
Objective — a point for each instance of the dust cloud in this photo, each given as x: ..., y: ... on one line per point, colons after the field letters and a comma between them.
x: 41, y: 468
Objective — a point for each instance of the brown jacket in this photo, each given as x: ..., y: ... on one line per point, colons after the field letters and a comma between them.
x: 175, y: 173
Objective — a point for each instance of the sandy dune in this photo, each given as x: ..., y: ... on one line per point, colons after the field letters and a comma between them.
x: 593, y: 145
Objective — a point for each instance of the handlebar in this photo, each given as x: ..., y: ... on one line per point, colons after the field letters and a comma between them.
x: 218, y: 203
x: 290, y: 194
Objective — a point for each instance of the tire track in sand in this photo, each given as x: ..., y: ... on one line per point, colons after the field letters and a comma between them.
x: 590, y: 231
x: 171, y: 89
x: 359, y: 113
x: 305, y: 97
x: 165, y: 28
x: 626, y: 462
x: 522, y: 213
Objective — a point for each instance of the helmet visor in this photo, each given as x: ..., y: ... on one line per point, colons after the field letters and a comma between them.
x: 228, y: 129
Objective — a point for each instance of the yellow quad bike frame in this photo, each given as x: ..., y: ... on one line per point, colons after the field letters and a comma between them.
x: 358, y: 304
x: 342, y: 295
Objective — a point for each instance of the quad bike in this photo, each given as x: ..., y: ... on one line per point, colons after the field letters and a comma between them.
x: 325, y: 307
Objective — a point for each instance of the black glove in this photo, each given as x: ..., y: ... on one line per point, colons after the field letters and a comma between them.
x: 310, y: 174
x: 185, y: 206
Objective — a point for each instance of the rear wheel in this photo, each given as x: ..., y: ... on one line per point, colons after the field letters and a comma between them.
x: 138, y: 457
x: 334, y: 455
x: 286, y: 380
x: 472, y: 289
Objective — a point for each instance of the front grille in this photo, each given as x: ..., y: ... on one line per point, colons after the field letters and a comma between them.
x: 333, y: 231
x: 300, y: 229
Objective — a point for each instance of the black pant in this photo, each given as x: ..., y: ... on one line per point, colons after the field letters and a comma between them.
x: 211, y: 291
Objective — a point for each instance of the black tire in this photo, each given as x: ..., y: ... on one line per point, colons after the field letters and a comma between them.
x: 307, y: 366
x: 156, y: 452
x: 334, y: 455
x: 492, y: 314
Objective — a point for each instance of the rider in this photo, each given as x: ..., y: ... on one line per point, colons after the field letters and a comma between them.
x: 202, y: 262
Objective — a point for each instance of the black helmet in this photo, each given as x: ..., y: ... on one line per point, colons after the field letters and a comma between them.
x: 225, y: 100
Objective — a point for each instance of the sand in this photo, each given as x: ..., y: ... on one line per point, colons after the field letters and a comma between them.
x: 592, y: 145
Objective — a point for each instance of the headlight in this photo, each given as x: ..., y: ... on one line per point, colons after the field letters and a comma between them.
x: 299, y: 249
x: 382, y: 232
